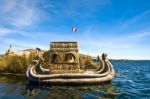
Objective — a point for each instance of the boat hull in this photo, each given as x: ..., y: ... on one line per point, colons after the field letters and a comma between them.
x: 40, y: 75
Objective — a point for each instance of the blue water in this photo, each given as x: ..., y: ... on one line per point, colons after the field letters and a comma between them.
x: 133, y: 82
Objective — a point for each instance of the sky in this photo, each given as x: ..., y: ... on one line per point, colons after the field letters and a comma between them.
x: 120, y: 28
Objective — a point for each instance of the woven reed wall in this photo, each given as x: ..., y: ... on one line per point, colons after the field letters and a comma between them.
x: 59, y: 68
x: 62, y: 49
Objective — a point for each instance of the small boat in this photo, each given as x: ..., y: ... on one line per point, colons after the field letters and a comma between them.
x: 64, y: 67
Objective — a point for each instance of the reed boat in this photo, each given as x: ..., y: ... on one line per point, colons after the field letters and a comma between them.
x: 65, y: 68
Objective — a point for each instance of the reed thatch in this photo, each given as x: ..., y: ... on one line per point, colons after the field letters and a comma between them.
x: 64, y: 53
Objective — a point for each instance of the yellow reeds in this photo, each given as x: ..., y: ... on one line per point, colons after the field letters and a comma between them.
x: 15, y: 64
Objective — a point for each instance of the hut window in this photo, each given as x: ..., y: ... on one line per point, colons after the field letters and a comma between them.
x: 70, y: 58
x: 55, y: 58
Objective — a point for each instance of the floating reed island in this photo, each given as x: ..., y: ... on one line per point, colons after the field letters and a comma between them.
x: 64, y: 67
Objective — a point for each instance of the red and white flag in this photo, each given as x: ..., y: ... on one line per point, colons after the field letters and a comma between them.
x: 74, y: 29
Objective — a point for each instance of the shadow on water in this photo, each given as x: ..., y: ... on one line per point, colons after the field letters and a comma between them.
x: 17, y: 86
x: 71, y: 91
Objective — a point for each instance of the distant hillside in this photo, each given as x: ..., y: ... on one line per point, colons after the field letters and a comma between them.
x: 84, y: 55
x: 29, y: 50
x: 33, y: 50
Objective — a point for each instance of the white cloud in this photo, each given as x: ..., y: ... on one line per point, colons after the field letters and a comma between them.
x: 75, y: 9
x: 9, y: 32
x: 4, y: 31
x: 21, y: 44
x: 121, y: 46
x: 19, y: 13
x: 134, y: 20
x: 22, y: 13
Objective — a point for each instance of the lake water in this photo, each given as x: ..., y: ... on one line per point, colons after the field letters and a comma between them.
x: 133, y: 83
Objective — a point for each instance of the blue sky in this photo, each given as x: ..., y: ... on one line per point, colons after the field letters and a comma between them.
x: 120, y: 28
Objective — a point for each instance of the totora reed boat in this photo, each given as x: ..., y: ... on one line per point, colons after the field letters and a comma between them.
x: 64, y: 67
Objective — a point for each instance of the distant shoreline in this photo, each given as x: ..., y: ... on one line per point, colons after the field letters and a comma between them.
x: 129, y: 60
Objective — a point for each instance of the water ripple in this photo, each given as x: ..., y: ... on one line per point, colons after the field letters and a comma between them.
x: 132, y: 82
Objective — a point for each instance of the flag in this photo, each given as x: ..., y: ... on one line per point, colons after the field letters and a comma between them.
x: 74, y: 29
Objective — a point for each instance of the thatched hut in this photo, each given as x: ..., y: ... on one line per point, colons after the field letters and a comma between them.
x: 64, y: 57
